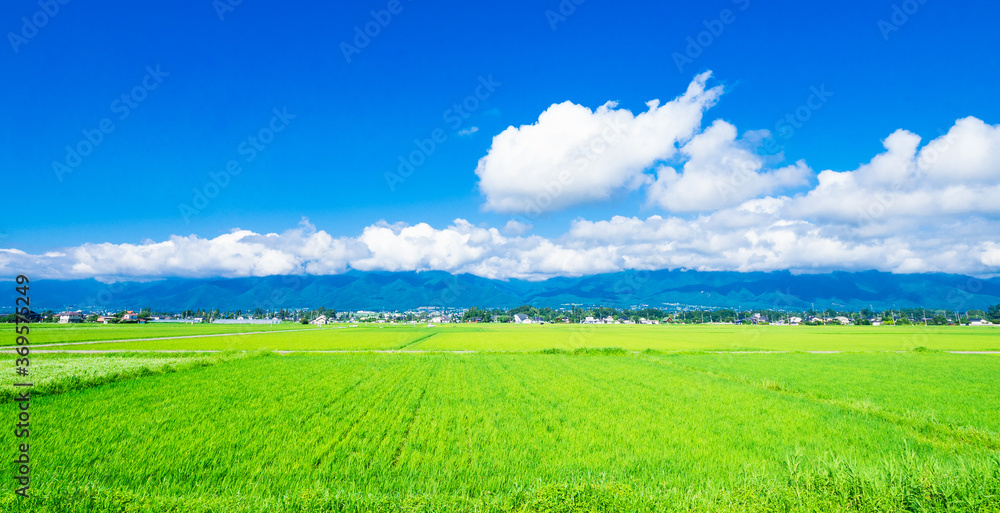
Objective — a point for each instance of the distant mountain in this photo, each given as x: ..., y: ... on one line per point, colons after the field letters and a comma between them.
x: 398, y: 291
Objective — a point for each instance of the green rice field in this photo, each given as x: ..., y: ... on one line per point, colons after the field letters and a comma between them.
x: 507, y: 337
x: 681, y: 418
x: 54, y: 333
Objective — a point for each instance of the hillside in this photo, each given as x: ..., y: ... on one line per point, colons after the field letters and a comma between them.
x: 396, y: 291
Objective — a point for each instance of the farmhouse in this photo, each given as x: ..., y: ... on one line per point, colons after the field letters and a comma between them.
x: 521, y: 319
x: 979, y: 322
x: 130, y: 316
x: 70, y: 317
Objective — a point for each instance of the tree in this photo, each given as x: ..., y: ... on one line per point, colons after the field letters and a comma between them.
x: 476, y: 313
x: 939, y: 320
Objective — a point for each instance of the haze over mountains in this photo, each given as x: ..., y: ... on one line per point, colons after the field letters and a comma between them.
x: 356, y: 290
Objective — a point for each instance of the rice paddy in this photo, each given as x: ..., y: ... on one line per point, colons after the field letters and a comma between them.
x: 54, y: 333
x: 507, y: 337
x: 510, y: 427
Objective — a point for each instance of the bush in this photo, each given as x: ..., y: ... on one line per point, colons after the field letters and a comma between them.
x: 600, y: 351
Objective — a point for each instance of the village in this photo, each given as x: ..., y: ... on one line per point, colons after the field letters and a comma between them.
x: 527, y: 314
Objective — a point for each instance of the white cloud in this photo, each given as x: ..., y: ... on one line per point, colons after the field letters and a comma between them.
x: 235, y: 254
x: 720, y: 172
x: 573, y: 155
x: 468, y: 131
x: 422, y: 248
x: 908, y: 186
x: 966, y: 154
x: 912, y: 208
x: 514, y: 227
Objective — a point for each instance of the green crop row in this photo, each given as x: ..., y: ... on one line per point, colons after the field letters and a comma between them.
x: 58, y: 333
x: 522, y: 338
x: 602, y: 430
x: 58, y: 373
x: 959, y: 390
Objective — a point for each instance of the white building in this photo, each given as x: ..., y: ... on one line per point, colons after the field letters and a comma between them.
x: 521, y: 319
x: 70, y: 317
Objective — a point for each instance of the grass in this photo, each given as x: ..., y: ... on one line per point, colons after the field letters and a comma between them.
x: 57, y: 373
x: 599, y: 430
x: 951, y: 389
x: 712, y: 338
x: 508, y: 337
x: 316, y: 339
x: 56, y: 333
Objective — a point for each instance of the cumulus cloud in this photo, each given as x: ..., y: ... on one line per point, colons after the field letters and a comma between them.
x: 235, y: 254
x: 907, y: 186
x: 911, y: 208
x: 720, y: 172
x: 573, y: 155
x: 515, y: 227
x: 422, y: 248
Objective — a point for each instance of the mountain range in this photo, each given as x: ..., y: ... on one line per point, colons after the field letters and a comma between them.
x: 357, y: 290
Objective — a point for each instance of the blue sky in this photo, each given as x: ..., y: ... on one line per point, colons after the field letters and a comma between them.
x: 221, y: 80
